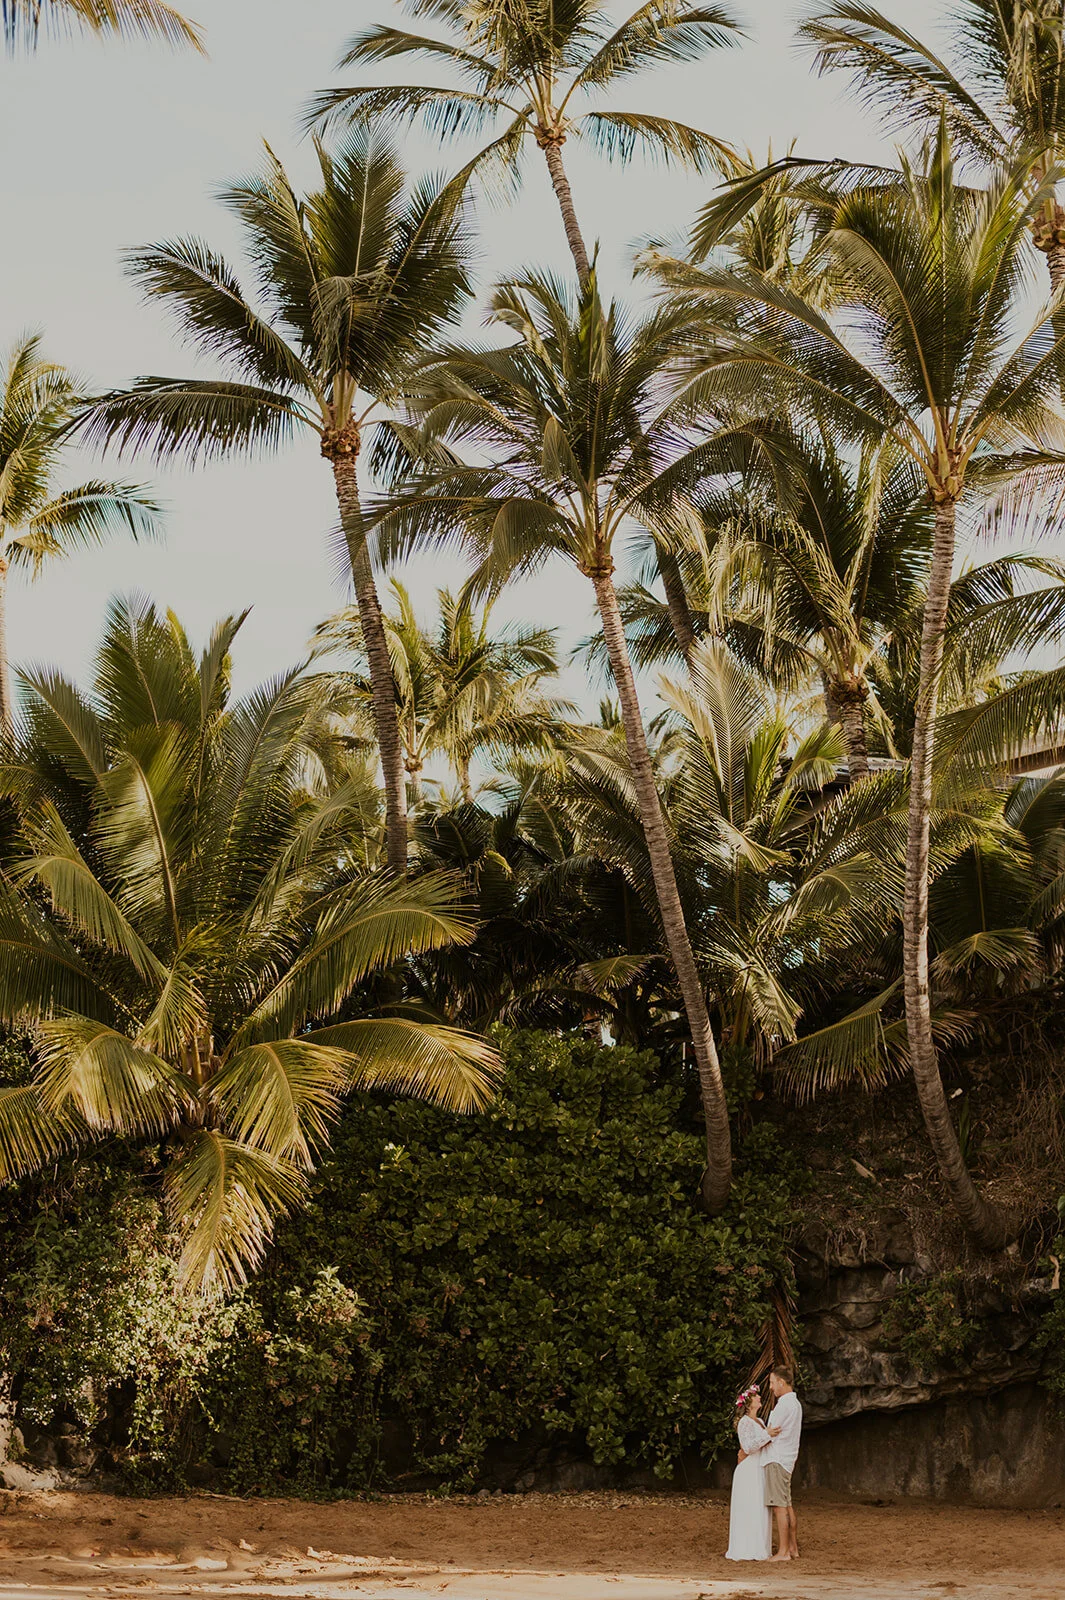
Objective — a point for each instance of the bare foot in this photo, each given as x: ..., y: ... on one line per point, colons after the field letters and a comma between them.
x: 783, y: 1555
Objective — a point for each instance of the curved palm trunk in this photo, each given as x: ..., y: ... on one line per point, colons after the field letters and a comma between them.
x: 845, y: 703
x: 7, y: 707
x: 984, y: 1223
x: 680, y: 616
x: 718, y: 1177
x: 550, y: 143
x: 342, y: 451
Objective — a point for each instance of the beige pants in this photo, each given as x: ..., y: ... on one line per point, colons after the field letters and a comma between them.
x: 777, y: 1485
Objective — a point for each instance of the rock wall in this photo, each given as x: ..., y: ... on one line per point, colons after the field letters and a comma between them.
x: 1003, y: 1449
x: 978, y: 1429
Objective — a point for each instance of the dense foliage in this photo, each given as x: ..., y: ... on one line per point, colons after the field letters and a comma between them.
x: 541, y: 1273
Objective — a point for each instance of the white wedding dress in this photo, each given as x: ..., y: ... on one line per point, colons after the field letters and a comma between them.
x: 750, y: 1528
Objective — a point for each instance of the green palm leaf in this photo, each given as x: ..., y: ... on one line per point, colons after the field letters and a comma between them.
x: 31, y: 1135
x: 620, y: 134
x: 447, y: 1066
x: 360, y: 929
x: 225, y: 1198
x: 282, y: 1096
x: 76, y: 892
x: 111, y: 1083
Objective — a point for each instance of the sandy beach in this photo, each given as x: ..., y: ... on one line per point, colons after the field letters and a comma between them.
x: 575, y: 1547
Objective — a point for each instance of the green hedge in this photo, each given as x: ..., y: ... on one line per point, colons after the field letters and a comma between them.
x: 541, y: 1272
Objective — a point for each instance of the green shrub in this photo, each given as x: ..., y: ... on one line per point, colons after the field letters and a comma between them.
x: 927, y: 1322
x: 541, y: 1271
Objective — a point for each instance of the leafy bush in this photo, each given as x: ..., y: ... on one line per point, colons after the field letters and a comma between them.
x: 927, y: 1322
x: 540, y: 1272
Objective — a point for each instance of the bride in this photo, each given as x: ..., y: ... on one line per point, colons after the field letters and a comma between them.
x: 750, y: 1532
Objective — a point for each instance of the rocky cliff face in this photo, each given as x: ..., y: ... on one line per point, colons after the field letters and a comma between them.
x: 881, y: 1422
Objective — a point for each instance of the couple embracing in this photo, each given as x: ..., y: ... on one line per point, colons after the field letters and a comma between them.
x: 761, y: 1484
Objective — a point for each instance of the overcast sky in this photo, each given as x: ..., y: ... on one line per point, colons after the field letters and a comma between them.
x: 108, y: 146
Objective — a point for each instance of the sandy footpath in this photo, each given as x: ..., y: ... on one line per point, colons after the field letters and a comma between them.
x: 513, y: 1547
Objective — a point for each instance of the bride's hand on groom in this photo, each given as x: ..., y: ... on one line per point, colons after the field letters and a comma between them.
x: 742, y: 1456
x: 772, y: 1432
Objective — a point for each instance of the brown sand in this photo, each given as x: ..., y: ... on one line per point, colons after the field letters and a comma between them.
x: 515, y: 1547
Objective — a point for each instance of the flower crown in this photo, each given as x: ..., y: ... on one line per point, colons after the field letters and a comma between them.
x: 745, y: 1395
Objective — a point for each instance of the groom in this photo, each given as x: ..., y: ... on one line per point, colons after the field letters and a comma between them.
x: 785, y: 1424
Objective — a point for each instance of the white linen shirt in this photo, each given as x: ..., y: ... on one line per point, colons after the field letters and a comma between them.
x: 787, y: 1416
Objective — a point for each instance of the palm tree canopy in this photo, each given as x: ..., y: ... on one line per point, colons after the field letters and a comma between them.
x: 37, y: 404
x: 581, y: 421
x: 352, y: 280
x: 189, y: 927
x: 924, y: 345
x: 1004, y: 95
x: 531, y: 68
x: 464, y: 688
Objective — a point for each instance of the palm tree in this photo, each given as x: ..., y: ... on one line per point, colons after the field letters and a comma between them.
x: 1004, y: 98
x: 353, y: 280
x: 464, y: 689
x: 190, y: 929
x: 783, y: 891
x: 996, y: 905
x: 926, y: 356
x: 38, y: 524
x: 994, y: 614
x: 526, y: 69
x: 22, y: 21
x: 584, y: 438
x: 831, y: 572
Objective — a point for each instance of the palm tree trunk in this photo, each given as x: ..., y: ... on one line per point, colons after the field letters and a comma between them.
x: 7, y: 1418
x: 1048, y: 235
x: 680, y: 616
x: 718, y: 1177
x: 342, y: 449
x: 845, y: 703
x: 550, y: 142
x: 7, y: 706
x: 984, y: 1223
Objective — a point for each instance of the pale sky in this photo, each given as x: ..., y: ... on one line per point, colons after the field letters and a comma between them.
x: 113, y: 145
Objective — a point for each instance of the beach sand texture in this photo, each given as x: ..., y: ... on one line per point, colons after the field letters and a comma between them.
x: 514, y: 1547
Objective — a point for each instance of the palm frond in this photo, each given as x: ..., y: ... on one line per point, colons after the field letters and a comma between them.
x: 224, y: 1198
x: 199, y: 419
x: 447, y: 1066
x: 282, y: 1096
x: 23, y: 21
x: 894, y: 72
x: 31, y: 1135
x: 111, y: 1083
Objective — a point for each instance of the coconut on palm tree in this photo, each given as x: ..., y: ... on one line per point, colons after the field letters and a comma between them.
x: 38, y: 521
x: 191, y: 932
x: 926, y: 354
x: 353, y: 280
x: 585, y: 439
x: 23, y: 21
x: 532, y: 70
